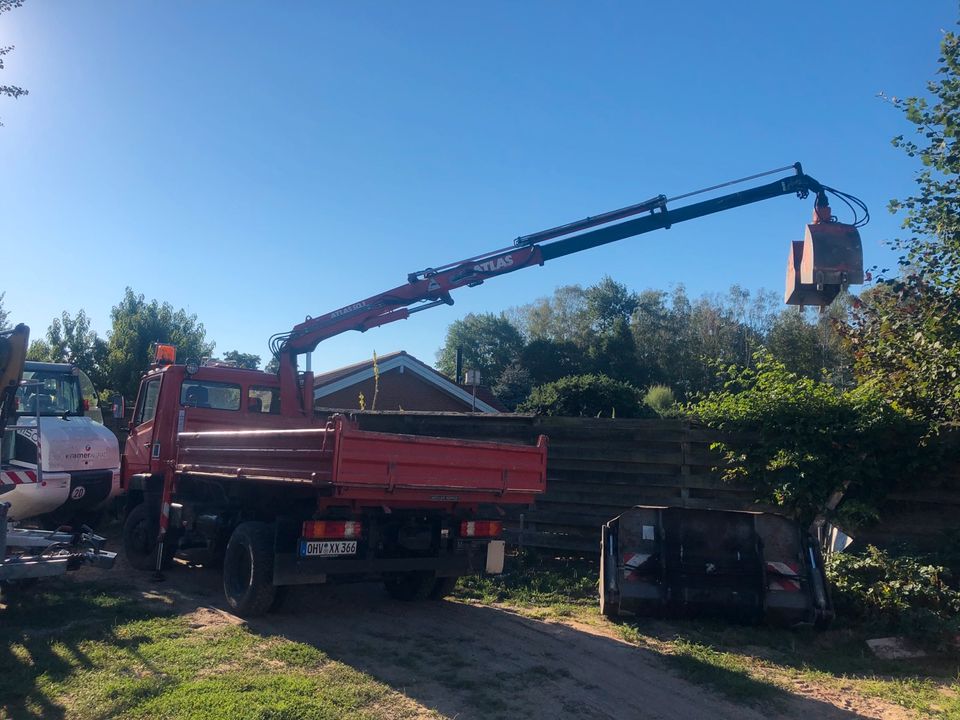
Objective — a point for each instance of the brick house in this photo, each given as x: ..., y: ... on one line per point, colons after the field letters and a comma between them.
x: 405, y: 384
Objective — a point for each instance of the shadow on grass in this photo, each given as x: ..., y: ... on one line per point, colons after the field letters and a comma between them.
x: 42, y: 632
x: 471, y: 661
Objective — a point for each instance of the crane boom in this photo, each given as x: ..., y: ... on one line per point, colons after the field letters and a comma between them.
x: 431, y: 287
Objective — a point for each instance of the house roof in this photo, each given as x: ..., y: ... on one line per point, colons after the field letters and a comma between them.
x: 334, y: 380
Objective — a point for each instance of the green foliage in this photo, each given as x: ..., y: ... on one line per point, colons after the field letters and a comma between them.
x: 489, y: 343
x: 70, y: 340
x: 137, y: 325
x: 900, y: 594
x: 607, y: 303
x: 661, y: 400
x: 243, y: 360
x: 905, y: 334
x: 613, y: 353
x: 797, y: 441
x: 513, y: 386
x: 807, y: 342
x: 587, y: 396
x: 12, y: 91
x: 549, y: 360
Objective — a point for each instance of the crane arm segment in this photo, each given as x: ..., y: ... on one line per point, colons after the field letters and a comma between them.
x: 431, y: 287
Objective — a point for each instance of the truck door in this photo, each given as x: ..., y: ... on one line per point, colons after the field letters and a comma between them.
x: 140, y: 443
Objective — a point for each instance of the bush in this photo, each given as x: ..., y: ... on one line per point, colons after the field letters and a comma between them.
x: 661, y: 400
x: 587, y: 396
x: 797, y: 441
x: 901, y: 594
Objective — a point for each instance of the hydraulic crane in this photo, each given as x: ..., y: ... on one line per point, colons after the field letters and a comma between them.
x: 828, y: 259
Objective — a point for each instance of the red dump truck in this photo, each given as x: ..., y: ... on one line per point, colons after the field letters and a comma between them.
x: 237, y: 462
x: 212, y: 461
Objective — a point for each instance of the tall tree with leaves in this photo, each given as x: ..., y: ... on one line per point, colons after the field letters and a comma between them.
x: 137, y: 325
x: 12, y: 91
x: 70, y: 340
x: 906, y: 333
x: 248, y: 361
x: 4, y: 314
x: 489, y: 343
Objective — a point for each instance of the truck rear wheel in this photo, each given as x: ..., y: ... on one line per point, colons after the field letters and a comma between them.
x: 407, y: 586
x: 248, y: 569
x: 140, y: 532
x: 442, y: 587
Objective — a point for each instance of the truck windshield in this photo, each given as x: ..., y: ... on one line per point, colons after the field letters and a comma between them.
x: 50, y: 393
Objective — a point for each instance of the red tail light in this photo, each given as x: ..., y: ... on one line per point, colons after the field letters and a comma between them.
x: 86, y: 404
x: 315, y: 529
x: 480, y: 528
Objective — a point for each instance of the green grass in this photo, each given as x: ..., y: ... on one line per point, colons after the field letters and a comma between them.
x: 563, y: 587
x: 84, y: 651
x: 758, y: 665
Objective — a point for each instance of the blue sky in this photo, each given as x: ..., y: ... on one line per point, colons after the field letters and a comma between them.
x: 258, y: 162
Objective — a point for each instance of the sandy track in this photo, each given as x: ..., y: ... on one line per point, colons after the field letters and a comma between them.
x: 468, y: 661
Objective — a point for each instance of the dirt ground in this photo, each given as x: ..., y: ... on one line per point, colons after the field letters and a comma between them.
x: 470, y: 661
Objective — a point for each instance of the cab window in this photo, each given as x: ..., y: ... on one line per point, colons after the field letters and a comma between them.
x: 147, y: 409
x: 263, y: 400
x: 207, y: 394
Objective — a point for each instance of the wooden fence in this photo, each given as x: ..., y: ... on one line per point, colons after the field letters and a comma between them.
x: 597, y: 468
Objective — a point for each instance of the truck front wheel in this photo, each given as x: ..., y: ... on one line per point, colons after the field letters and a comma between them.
x: 248, y: 569
x: 140, y: 532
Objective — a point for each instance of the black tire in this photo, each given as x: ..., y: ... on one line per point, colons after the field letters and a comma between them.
x: 248, y: 569
x: 140, y: 532
x: 410, y: 586
x: 442, y: 587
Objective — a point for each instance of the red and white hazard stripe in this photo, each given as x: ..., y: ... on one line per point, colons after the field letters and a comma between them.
x: 783, y: 576
x: 17, y: 477
x: 631, y: 562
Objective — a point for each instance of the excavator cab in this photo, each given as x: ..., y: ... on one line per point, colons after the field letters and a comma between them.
x: 826, y: 261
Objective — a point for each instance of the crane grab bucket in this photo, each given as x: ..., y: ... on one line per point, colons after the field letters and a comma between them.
x: 826, y: 261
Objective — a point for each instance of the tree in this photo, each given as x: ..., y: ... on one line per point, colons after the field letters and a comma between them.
x: 513, y: 386
x: 808, y: 343
x: 905, y: 335
x: 272, y: 366
x: 137, y: 325
x: 12, y: 91
x: 243, y: 360
x: 796, y: 441
x: 489, y: 343
x: 70, y: 340
x: 587, y: 396
x: 607, y: 303
x: 4, y: 314
x: 549, y: 360
x: 614, y: 354
x: 561, y: 317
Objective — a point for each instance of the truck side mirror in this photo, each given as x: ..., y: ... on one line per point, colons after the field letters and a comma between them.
x: 118, y: 407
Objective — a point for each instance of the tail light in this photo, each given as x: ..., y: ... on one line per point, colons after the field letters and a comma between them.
x: 316, y: 529
x: 480, y: 528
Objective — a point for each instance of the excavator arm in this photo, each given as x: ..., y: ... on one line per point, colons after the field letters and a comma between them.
x: 13, y: 354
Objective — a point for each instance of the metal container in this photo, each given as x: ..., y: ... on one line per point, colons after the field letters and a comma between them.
x: 829, y: 258
x: 742, y: 566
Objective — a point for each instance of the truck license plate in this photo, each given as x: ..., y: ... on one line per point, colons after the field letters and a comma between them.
x: 309, y: 548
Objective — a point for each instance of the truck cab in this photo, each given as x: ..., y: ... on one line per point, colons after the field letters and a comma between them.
x: 55, y: 435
